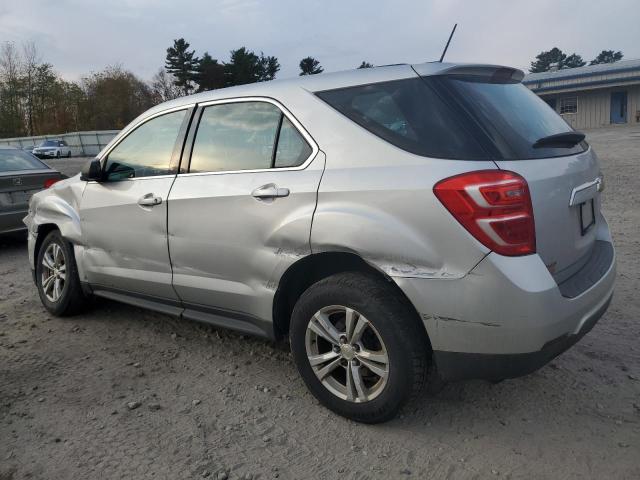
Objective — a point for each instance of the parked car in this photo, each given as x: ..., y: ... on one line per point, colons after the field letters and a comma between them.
x: 52, y: 148
x: 390, y: 222
x: 21, y: 175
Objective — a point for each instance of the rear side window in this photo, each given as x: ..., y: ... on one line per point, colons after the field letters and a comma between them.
x: 410, y: 115
x: 11, y: 160
x: 235, y: 136
x: 246, y: 136
x: 293, y: 149
x: 454, y: 117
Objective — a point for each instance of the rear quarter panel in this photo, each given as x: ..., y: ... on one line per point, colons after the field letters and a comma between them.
x: 377, y: 201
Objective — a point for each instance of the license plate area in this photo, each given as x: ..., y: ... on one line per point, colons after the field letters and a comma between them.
x: 587, y: 216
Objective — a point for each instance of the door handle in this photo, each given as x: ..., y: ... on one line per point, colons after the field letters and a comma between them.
x: 270, y: 191
x: 149, y: 200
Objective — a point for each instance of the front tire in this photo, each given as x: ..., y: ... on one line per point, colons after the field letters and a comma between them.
x: 58, y: 154
x: 359, y: 346
x: 57, y: 277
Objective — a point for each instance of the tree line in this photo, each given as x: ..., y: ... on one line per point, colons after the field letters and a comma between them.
x: 35, y: 100
x: 556, y: 59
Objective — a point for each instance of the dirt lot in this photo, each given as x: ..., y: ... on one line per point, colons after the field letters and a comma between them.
x: 123, y: 393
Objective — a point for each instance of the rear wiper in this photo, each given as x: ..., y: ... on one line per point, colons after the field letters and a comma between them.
x: 560, y: 140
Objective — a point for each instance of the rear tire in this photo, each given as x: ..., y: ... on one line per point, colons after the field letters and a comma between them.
x: 69, y: 154
x: 57, y: 277
x: 370, y: 325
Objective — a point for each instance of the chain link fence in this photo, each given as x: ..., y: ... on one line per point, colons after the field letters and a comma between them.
x: 83, y: 144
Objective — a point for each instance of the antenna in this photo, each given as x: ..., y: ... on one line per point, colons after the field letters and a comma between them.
x: 448, y: 41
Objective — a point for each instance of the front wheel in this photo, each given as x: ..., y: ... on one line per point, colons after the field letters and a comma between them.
x: 57, y: 276
x: 58, y: 154
x: 358, y: 346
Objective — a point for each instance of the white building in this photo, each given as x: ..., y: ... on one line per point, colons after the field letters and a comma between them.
x: 592, y: 96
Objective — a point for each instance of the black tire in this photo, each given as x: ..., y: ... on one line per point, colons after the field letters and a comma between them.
x: 72, y: 299
x: 58, y: 154
x: 69, y: 154
x: 395, y: 322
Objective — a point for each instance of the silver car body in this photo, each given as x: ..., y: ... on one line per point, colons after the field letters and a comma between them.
x: 212, y: 252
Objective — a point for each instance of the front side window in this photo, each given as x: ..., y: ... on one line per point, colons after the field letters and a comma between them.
x: 568, y: 105
x: 246, y: 136
x: 146, y: 151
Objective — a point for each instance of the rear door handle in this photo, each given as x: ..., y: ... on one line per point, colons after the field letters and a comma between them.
x: 270, y: 191
x: 149, y: 200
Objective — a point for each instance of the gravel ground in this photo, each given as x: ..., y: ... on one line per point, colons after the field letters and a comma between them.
x: 119, y: 392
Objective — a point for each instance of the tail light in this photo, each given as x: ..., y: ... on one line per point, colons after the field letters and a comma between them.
x: 494, y: 206
x: 50, y: 181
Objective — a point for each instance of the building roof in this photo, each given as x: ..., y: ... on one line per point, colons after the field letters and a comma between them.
x: 589, y: 76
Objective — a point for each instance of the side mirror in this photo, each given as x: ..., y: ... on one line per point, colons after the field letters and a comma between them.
x: 92, y: 170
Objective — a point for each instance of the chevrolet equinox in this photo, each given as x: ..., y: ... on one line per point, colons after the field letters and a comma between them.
x: 389, y: 222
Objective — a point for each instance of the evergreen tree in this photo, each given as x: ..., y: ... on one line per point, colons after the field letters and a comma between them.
x: 310, y: 66
x: 267, y: 68
x: 574, y: 60
x: 607, y: 56
x: 182, y: 64
x: 209, y: 74
x: 365, y: 65
x: 555, y: 57
x: 246, y: 67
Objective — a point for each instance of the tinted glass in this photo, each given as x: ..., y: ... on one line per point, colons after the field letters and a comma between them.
x: 511, y: 115
x: 235, y: 136
x: 147, y: 150
x: 49, y: 143
x: 465, y: 118
x: 409, y: 114
x: 11, y: 160
x: 292, y: 149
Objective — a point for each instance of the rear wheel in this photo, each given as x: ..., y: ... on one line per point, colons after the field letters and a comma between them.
x: 57, y: 277
x: 69, y: 154
x: 358, y: 346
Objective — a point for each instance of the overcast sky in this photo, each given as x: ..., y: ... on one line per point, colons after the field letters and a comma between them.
x: 80, y: 36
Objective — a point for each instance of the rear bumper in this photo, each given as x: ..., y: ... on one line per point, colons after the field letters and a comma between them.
x: 507, y: 317
x: 461, y: 366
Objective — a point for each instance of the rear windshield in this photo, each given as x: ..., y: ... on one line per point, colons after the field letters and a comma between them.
x: 50, y: 143
x: 11, y: 160
x: 466, y: 118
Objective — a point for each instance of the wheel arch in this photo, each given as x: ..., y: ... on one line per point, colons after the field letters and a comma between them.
x: 315, y: 267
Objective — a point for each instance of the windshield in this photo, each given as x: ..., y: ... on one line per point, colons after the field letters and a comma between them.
x: 11, y: 160
x: 49, y: 143
x: 466, y: 118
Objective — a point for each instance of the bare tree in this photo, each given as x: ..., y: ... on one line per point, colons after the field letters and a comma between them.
x: 163, y: 86
x: 10, y: 88
x: 29, y: 72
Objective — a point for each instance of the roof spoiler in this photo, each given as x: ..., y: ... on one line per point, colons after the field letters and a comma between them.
x: 493, y: 73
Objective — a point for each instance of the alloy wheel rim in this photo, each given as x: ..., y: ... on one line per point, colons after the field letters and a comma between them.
x: 54, y: 272
x: 347, y: 354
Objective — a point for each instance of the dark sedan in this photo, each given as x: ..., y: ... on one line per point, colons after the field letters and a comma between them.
x: 21, y: 175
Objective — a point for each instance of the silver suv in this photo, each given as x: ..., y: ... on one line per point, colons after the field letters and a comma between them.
x: 390, y: 222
